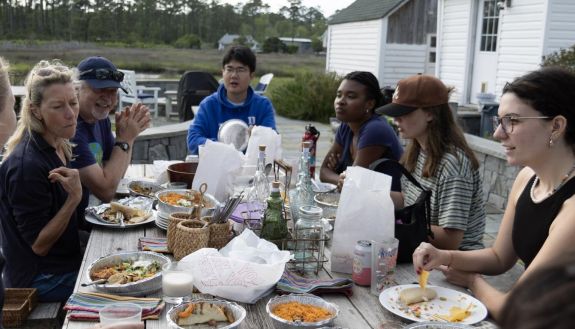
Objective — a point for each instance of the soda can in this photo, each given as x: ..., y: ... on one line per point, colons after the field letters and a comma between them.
x: 361, y: 274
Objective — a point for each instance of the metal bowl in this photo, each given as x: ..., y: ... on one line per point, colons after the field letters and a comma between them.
x: 304, y: 299
x: 165, y: 209
x: 137, y: 185
x: 437, y: 325
x: 138, y: 288
x: 321, y: 187
x: 238, y: 311
x: 328, y: 202
x: 235, y: 132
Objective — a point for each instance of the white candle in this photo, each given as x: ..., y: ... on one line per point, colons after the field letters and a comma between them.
x: 177, y: 284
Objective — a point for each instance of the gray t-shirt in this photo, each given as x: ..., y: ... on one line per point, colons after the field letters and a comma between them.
x: 456, y: 196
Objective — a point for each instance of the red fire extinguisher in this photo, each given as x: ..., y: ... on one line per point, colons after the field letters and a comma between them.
x: 311, y: 134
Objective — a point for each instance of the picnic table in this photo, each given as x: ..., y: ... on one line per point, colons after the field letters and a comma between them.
x: 361, y: 310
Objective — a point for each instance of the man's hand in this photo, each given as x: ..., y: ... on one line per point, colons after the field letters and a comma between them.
x: 131, y: 122
x: 332, y: 160
x: 70, y: 181
x: 340, y: 181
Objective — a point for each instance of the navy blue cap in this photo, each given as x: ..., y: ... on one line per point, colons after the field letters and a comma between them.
x: 100, y: 73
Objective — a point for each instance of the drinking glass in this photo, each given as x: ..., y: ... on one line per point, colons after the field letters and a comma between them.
x: 121, y: 313
x: 383, y: 261
x: 177, y: 283
x: 178, y: 185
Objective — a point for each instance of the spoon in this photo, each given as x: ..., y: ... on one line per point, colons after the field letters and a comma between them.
x: 100, y: 281
x: 267, y: 170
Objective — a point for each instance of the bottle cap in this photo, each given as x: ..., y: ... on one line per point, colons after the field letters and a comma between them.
x: 306, y: 144
x: 262, y: 147
x: 276, y: 184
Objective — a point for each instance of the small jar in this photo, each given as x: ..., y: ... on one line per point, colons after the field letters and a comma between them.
x: 309, y: 236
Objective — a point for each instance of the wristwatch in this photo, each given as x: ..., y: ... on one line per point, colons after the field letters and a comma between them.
x: 123, y: 145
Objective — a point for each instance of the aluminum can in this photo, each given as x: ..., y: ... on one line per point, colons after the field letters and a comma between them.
x: 361, y: 274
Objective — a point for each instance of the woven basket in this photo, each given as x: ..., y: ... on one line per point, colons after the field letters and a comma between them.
x: 191, y: 235
x: 18, y: 303
x: 219, y: 235
x: 173, y: 221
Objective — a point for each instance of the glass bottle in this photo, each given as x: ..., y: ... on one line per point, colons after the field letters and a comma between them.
x: 259, y: 189
x: 309, y: 236
x: 304, y: 190
x: 275, y: 226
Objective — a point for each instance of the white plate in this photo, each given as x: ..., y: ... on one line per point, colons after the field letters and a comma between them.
x: 446, y: 298
x: 91, y: 219
x: 123, y: 186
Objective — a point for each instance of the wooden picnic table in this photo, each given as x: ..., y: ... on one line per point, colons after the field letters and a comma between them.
x: 361, y: 310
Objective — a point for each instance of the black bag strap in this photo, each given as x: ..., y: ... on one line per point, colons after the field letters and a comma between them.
x: 414, y: 181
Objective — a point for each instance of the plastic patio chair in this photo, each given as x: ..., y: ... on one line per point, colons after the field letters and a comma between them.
x: 135, y: 93
x: 263, y: 84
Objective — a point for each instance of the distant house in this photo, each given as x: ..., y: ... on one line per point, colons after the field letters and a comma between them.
x: 303, y: 44
x: 229, y: 39
x: 390, y: 38
x: 482, y: 44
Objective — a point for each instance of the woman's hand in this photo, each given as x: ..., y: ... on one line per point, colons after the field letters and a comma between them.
x: 457, y: 277
x: 70, y: 181
x: 427, y: 257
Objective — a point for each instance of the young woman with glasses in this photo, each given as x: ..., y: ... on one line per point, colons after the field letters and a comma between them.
x: 536, y: 126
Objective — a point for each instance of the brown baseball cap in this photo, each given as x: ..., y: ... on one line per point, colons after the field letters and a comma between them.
x: 417, y: 91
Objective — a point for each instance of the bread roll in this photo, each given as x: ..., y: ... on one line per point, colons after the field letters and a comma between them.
x: 415, y: 295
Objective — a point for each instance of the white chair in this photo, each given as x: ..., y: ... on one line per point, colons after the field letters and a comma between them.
x: 137, y: 94
x: 263, y: 84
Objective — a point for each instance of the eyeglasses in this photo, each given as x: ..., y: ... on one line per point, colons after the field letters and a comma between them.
x: 507, y: 122
x: 239, y: 70
x: 103, y: 74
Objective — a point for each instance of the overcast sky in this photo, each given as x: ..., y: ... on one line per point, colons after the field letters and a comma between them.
x: 328, y: 7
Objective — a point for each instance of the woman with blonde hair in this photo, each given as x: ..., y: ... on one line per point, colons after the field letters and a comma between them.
x: 7, y: 114
x: 38, y: 192
x: 438, y: 156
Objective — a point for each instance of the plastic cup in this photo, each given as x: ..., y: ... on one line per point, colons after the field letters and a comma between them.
x: 177, y: 283
x: 121, y: 313
x: 383, y: 261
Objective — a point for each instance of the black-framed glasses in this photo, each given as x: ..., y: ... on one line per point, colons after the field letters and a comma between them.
x: 507, y: 122
x: 239, y: 70
x: 103, y: 74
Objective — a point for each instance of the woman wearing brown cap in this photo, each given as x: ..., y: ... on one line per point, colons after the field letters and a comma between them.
x: 440, y: 159
x: 535, y: 126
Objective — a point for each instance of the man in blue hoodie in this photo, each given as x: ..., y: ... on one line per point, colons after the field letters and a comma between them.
x: 234, y: 99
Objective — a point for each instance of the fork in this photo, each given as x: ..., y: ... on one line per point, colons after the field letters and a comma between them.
x: 120, y: 216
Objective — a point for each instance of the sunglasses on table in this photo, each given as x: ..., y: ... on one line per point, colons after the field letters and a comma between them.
x: 103, y: 74
x: 507, y: 122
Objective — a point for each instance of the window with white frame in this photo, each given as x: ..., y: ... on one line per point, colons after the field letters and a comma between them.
x: 490, y: 26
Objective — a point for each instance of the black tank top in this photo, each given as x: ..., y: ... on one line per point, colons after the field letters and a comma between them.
x: 532, y: 220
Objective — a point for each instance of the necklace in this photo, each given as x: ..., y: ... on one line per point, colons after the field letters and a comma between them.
x: 556, y: 188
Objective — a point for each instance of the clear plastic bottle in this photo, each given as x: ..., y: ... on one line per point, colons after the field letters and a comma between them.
x: 274, y: 226
x: 309, y: 236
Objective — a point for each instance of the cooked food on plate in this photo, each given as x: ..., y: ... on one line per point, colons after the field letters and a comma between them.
x: 296, y: 311
x: 456, y: 314
x: 181, y: 199
x: 204, y: 312
x: 127, y: 271
x: 131, y: 215
x: 423, y: 276
x: 414, y: 295
x: 143, y: 190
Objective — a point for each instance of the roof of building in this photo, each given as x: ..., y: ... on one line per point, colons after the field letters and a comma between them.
x: 365, y: 10
x: 227, y: 39
x: 290, y: 39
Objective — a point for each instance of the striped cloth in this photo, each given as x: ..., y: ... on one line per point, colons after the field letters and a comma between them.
x: 153, y: 244
x: 293, y: 283
x: 84, y: 306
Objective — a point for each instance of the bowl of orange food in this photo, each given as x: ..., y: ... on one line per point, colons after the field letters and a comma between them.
x: 301, y: 311
x: 206, y: 313
x: 182, y: 200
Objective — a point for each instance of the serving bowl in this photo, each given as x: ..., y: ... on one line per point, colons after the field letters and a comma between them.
x: 165, y: 209
x: 138, y: 288
x: 144, y: 188
x: 182, y: 172
x: 304, y: 299
x: 328, y: 202
x: 238, y: 312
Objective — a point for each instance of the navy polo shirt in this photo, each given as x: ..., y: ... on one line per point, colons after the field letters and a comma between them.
x: 28, y: 201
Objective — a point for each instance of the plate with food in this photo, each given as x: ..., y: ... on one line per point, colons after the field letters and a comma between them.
x: 432, y: 303
x: 144, y: 188
x: 134, y: 273
x: 128, y: 212
x: 206, y: 313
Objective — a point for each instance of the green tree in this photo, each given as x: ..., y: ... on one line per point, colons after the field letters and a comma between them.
x: 563, y: 58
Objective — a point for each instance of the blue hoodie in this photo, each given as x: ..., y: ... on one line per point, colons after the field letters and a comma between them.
x: 216, y: 109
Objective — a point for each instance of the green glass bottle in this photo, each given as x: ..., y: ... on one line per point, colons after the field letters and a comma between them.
x: 275, y: 226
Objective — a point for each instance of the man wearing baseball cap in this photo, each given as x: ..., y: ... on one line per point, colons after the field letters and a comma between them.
x: 100, y: 158
x: 439, y: 158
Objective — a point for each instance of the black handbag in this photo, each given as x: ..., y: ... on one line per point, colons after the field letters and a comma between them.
x: 412, y: 223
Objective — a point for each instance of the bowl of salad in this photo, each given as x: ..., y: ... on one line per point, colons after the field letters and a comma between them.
x: 183, y: 200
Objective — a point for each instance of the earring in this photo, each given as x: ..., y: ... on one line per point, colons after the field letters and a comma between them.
x: 551, y: 142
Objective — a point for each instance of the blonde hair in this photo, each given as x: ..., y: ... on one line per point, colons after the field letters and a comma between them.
x: 4, y: 82
x: 43, y: 75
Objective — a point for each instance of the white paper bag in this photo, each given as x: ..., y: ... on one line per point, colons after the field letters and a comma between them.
x: 218, y: 164
x: 263, y: 136
x: 244, y: 270
x: 365, y: 212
